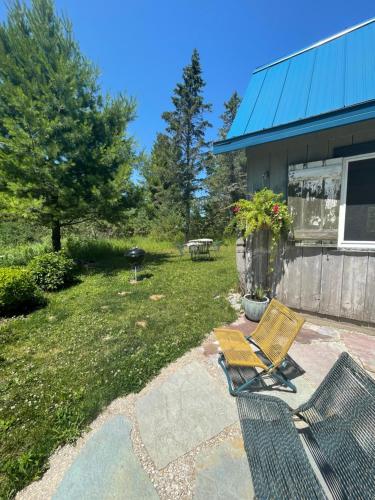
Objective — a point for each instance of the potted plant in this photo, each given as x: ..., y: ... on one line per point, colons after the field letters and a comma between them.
x: 265, y: 211
x: 255, y: 303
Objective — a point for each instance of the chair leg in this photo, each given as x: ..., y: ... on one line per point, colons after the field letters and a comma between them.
x: 284, y: 380
x: 221, y: 362
x: 247, y: 384
x: 232, y: 390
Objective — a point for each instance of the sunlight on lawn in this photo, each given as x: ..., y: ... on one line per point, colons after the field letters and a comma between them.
x: 100, y: 339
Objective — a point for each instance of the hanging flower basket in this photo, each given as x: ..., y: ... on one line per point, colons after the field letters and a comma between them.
x: 265, y: 211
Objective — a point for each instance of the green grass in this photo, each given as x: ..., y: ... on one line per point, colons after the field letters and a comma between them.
x: 61, y: 365
x: 21, y: 254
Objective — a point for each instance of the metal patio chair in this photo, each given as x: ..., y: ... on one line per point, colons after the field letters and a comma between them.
x: 339, y: 434
x: 274, y: 335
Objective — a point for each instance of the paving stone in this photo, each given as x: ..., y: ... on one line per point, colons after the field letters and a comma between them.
x: 328, y: 332
x: 316, y: 359
x: 186, y: 409
x: 307, y: 335
x: 243, y: 324
x: 210, y: 348
x: 305, y: 389
x: 222, y: 473
x: 361, y: 346
x: 106, y: 468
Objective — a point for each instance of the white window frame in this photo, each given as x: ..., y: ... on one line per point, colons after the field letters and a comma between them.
x: 344, y: 184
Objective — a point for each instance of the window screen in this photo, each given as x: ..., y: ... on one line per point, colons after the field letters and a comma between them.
x: 314, y: 199
x: 360, y: 201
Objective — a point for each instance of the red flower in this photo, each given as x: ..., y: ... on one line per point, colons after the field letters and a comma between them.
x: 235, y: 209
x: 275, y: 209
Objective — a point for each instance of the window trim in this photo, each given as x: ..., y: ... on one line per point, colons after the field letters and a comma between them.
x: 341, y: 242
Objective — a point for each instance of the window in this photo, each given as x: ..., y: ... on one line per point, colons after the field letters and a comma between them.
x: 357, y: 209
x: 314, y: 199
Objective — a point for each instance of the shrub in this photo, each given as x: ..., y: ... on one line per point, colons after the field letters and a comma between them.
x: 52, y: 271
x: 18, y: 291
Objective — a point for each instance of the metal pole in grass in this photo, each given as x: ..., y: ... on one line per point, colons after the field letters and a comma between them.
x: 136, y: 256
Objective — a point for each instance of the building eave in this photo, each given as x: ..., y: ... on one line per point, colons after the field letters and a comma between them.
x: 335, y: 119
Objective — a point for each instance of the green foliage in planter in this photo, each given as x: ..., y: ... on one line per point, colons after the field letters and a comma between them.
x: 18, y: 291
x: 52, y: 271
x: 258, y: 293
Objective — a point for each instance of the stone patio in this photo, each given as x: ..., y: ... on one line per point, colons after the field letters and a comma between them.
x: 180, y: 436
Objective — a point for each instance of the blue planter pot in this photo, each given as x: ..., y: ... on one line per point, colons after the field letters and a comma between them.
x: 254, y: 309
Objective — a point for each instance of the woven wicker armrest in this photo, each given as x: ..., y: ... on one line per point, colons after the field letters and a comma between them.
x: 341, y: 419
x: 278, y: 462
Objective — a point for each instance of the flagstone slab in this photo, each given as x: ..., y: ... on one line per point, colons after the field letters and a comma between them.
x: 222, y: 473
x: 316, y: 359
x: 186, y: 409
x: 107, y: 468
x: 362, y: 346
x: 323, y: 332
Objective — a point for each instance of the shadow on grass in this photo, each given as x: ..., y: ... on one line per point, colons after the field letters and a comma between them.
x: 19, y: 310
x: 107, y: 257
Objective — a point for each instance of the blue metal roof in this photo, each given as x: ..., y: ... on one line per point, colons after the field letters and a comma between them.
x: 329, y: 79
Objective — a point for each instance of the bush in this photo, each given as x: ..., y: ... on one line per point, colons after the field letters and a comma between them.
x: 18, y: 291
x: 52, y: 271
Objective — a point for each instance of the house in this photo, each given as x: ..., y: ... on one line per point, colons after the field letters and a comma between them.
x: 307, y: 123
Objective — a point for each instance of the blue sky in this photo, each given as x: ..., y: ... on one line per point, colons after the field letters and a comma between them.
x: 141, y: 46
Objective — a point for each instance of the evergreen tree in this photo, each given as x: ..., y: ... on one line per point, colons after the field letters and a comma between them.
x: 163, y: 198
x: 186, y: 127
x: 159, y: 175
x: 64, y: 155
x: 226, y: 175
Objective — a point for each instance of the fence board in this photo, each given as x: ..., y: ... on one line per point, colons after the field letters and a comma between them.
x: 311, y: 270
x: 276, y: 282
x: 292, y: 276
x: 329, y: 281
x: 353, y: 293
x: 369, y: 314
x: 259, y: 257
x: 330, y: 295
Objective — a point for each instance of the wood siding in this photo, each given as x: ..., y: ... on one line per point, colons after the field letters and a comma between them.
x: 268, y: 163
x: 319, y: 280
x: 328, y: 281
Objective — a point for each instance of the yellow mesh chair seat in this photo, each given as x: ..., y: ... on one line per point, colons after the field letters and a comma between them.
x: 274, y: 335
x: 237, y: 351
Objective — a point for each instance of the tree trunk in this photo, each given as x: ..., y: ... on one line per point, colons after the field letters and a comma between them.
x: 187, y: 220
x: 56, y: 236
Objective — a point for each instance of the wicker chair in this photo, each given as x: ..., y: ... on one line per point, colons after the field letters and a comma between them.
x: 340, y: 436
x: 274, y: 335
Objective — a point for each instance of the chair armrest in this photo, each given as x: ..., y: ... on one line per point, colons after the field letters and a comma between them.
x: 324, y: 394
x: 278, y: 462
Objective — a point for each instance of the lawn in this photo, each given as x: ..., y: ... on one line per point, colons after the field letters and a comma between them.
x: 101, y: 338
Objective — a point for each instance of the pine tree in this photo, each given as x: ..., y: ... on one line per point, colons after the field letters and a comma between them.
x: 186, y: 127
x: 159, y: 175
x: 226, y: 179
x: 163, y: 200
x: 64, y: 155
